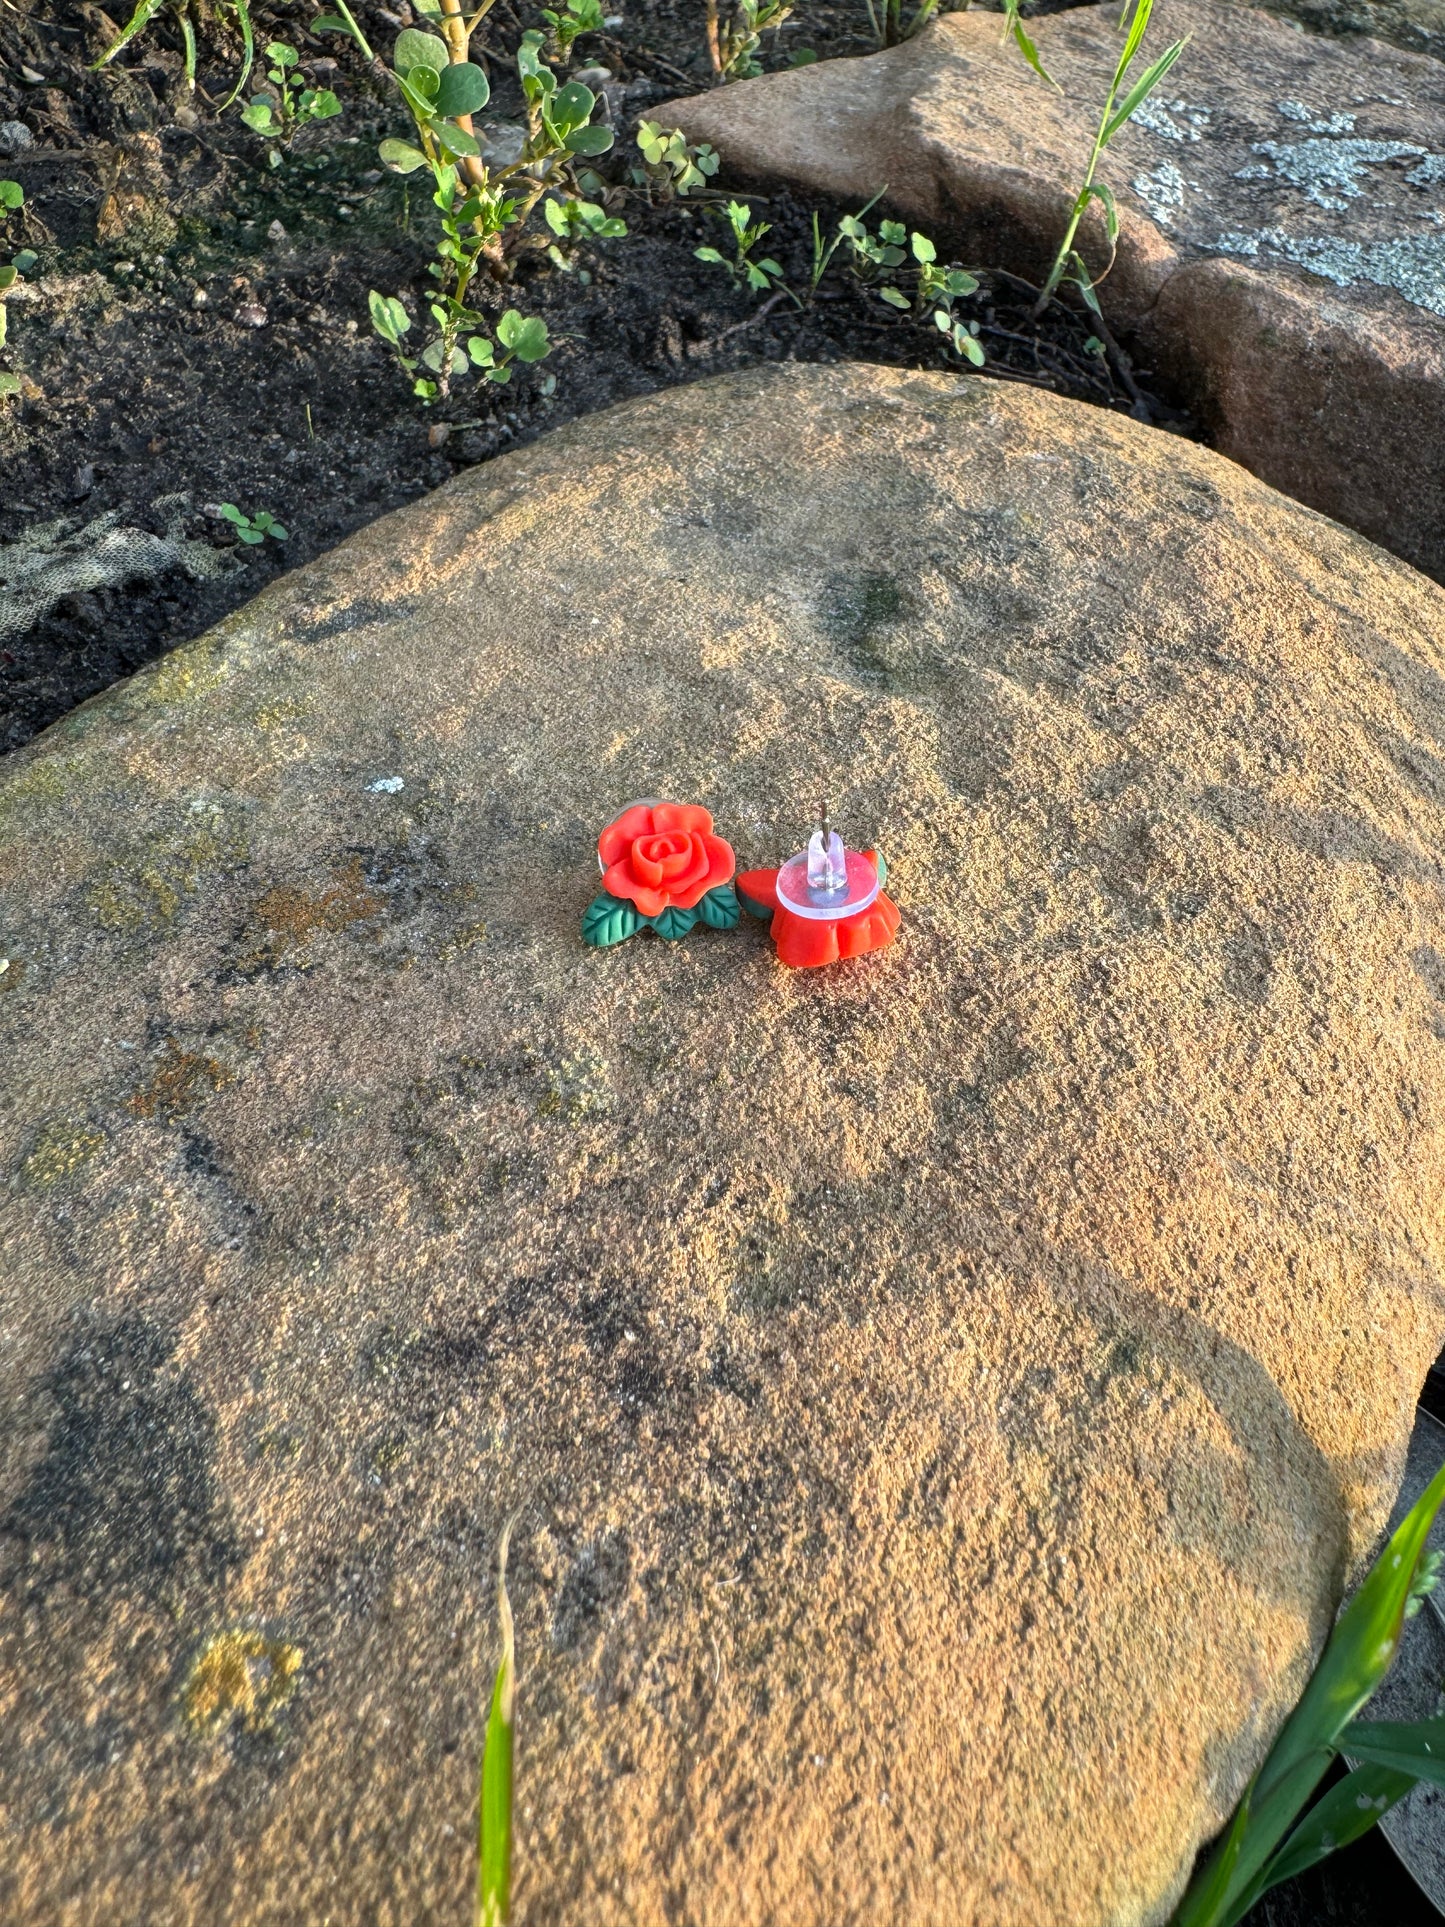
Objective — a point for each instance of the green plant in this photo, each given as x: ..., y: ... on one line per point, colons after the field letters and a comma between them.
x: 672, y: 166
x: 577, y: 17
x: 573, y: 220
x: 746, y: 234
x: 12, y: 199
x: 1266, y: 1841
x: 850, y: 227
x: 890, y: 28
x: 935, y: 291
x: 1013, y: 27
x: 292, y: 103
x: 253, y: 529
x: 1068, y: 262
x: 483, y: 210
x: 186, y: 14
x: 494, y: 1806
x: 732, y: 45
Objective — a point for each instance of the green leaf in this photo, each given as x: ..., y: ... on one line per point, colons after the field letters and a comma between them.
x: 1416, y: 1747
x: 257, y: 116
x: 589, y: 140
x: 608, y: 920
x: 328, y: 23
x: 1142, y: 88
x: 969, y: 346
x: 481, y: 350
x: 1359, y: 1653
x: 283, y: 55
x: 673, y: 923
x: 525, y: 336
x: 709, y: 254
x: 572, y: 104
x: 138, y: 20
x: 462, y: 89
x: 923, y: 248
x: 9, y: 384
x: 389, y: 318
x: 455, y: 140
x: 12, y: 195
x: 234, y: 515
x: 251, y: 536
x: 719, y: 909
x: 494, y: 1817
x: 417, y: 49
x: 277, y: 533
x: 1348, y: 1810
x: 1099, y: 191
x: 248, y: 52
x: 895, y: 298
x: 401, y: 157
x: 8, y: 277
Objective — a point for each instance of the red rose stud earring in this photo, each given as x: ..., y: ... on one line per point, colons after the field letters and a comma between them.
x: 826, y: 903
x: 663, y: 870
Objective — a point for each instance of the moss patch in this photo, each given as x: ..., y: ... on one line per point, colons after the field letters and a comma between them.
x: 61, y: 1149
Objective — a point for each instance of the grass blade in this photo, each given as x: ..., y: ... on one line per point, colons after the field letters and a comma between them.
x: 1356, y: 1658
x: 1416, y: 1747
x: 1142, y: 89
x: 138, y: 21
x: 494, y: 1867
x: 1342, y: 1815
x: 1138, y: 26
x: 1013, y: 24
x: 248, y: 51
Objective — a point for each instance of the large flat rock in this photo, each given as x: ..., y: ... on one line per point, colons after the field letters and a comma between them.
x: 944, y: 1396
x: 1282, y: 254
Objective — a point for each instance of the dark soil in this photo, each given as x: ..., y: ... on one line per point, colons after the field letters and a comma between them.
x: 172, y: 342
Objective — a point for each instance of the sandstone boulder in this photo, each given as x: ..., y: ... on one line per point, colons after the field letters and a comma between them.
x: 1282, y: 255
x: 944, y: 1397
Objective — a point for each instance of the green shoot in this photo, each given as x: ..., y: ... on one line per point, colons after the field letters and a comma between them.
x: 1266, y: 1841
x: 481, y: 208
x: 292, y: 103
x: 1013, y: 27
x: 890, y: 29
x: 494, y: 1816
x: 576, y: 18
x: 12, y: 199
x: 732, y: 44
x: 253, y: 529
x: 851, y: 225
x: 572, y: 221
x: 1068, y: 262
x: 742, y: 268
x: 672, y: 166
x: 186, y: 13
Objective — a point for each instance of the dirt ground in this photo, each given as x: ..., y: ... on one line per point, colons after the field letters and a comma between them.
x: 174, y: 341
x: 196, y: 332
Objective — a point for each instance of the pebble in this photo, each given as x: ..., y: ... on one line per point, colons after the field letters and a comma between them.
x: 29, y: 73
x: 437, y: 434
x: 123, y: 267
x: 276, y: 232
x: 200, y: 299
x: 15, y: 137
x: 251, y: 315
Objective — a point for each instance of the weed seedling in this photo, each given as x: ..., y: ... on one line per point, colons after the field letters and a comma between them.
x: 186, y: 13
x: 253, y: 529
x: 935, y: 291
x: 494, y: 1805
x: 573, y: 221
x: 12, y: 199
x: 483, y: 210
x: 732, y: 44
x: 578, y: 17
x: 1068, y: 262
x: 890, y: 28
x: 746, y: 234
x: 291, y: 103
x: 672, y: 166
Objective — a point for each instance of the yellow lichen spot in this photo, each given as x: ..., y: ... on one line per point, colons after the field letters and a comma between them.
x: 277, y: 715
x: 464, y: 940
x: 12, y: 969
x: 185, y: 673
x: 60, y: 1149
x: 179, y: 1082
x: 153, y: 888
x: 241, y: 1678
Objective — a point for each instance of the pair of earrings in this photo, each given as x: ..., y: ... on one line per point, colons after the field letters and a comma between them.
x: 664, y: 869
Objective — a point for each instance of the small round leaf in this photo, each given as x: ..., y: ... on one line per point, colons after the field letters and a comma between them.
x: 417, y: 49
x: 461, y: 89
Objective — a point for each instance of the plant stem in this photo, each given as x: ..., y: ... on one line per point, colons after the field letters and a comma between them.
x: 1056, y: 272
x: 458, y: 33
x: 713, y: 47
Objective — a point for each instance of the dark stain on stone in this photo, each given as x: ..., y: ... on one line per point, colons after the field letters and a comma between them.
x: 355, y: 615
x: 856, y: 610
x: 125, y: 1499
x: 597, y: 1580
